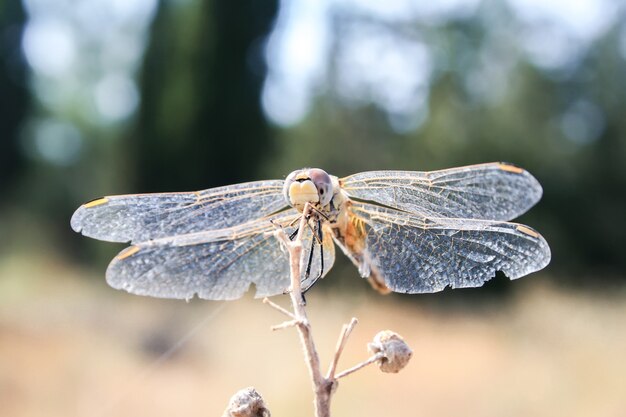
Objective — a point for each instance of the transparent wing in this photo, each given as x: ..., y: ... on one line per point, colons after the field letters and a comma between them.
x: 415, y: 254
x: 141, y: 217
x: 493, y: 191
x: 215, y: 265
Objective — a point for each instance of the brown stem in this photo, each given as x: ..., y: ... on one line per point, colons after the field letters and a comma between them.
x: 343, y: 338
x: 321, y: 386
x: 363, y: 364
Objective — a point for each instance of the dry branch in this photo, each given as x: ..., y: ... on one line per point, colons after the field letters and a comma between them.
x: 323, y: 387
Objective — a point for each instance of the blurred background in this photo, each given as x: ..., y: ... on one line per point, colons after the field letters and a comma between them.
x: 101, y: 97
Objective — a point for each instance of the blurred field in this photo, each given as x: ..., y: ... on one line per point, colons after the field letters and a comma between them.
x: 71, y: 346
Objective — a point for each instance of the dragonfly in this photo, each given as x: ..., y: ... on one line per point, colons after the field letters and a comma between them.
x: 406, y: 232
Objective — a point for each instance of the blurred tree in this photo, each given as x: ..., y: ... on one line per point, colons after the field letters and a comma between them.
x: 483, y: 98
x: 488, y: 101
x: 14, y: 95
x: 200, y: 121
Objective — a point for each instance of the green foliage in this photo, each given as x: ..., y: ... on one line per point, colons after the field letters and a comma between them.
x: 200, y: 121
x: 14, y: 98
x: 582, y: 212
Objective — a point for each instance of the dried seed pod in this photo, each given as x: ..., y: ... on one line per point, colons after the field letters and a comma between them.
x: 395, y: 353
x: 246, y: 402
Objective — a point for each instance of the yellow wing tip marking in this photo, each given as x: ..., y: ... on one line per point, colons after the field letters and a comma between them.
x: 511, y: 168
x: 528, y: 231
x: 127, y: 253
x: 96, y: 202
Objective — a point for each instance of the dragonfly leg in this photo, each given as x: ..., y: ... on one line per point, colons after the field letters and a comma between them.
x: 319, y: 239
x: 293, y: 235
x: 315, y: 230
x: 321, y: 242
x: 319, y: 213
x: 307, y: 272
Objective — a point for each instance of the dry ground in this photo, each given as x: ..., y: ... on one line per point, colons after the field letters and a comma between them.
x: 71, y: 346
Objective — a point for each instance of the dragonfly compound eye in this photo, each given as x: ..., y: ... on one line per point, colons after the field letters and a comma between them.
x: 323, y: 183
x: 308, y: 186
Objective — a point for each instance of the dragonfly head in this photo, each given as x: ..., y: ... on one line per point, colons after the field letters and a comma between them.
x: 308, y: 185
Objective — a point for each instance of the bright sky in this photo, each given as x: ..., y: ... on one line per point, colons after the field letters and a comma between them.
x: 394, y: 74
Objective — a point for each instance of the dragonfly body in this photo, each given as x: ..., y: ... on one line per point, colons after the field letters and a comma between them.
x: 331, y: 213
x: 410, y: 232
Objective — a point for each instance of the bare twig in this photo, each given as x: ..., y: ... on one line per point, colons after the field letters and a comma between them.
x: 363, y: 364
x: 279, y: 308
x: 323, y: 386
x: 286, y: 324
x: 343, y: 338
x: 320, y: 385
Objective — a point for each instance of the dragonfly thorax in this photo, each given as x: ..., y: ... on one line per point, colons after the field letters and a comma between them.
x: 308, y: 185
